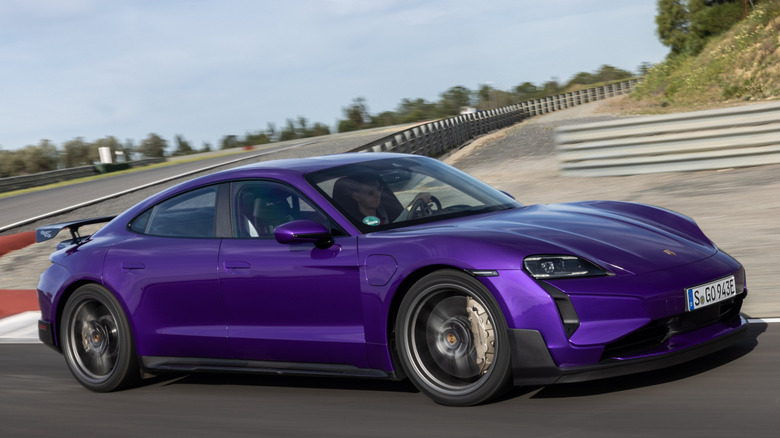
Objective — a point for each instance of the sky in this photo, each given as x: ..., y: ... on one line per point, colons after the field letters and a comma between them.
x: 204, y: 69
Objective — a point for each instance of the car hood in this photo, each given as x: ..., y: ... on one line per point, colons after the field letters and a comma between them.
x: 619, y: 236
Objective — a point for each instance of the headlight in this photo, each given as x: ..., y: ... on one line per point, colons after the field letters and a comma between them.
x: 560, y: 266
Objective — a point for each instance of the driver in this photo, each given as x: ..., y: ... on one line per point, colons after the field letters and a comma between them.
x: 367, y: 193
x: 361, y: 195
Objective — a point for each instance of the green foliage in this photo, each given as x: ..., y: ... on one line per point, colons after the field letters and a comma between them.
x: 357, y: 116
x: 182, y: 146
x: 302, y: 129
x: 414, y: 110
x: 153, y: 146
x: 255, y: 139
x: 452, y: 100
x: 707, y: 22
x: 11, y: 163
x: 686, y: 26
x: 672, y: 24
x: 526, y: 91
x: 77, y: 152
x: 229, y: 142
x: 739, y: 63
x: 31, y: 159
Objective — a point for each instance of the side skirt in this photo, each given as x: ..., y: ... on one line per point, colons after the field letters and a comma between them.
x: 160, y: 364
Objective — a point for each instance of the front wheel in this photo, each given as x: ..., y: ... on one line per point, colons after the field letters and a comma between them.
x: 452, y: 339
x: 96, y: 340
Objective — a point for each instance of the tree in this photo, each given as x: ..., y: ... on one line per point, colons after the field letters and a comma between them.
x: 289, y: 132
x: 685, y: 26
x: 416, y: 110
x: 608, y: 73
x: 35, y: 159
x: 453, y: 100
x: 253, y: 139
x: 386, y: 118
x: 709, y: 20
x: 525, y: 91
x: 318, y: 129
x: 229, y: 142
x: 672, y: 24
x: 485, y: 97
x: 77, y: 153
x: 128, y: 148
x: 552, y: 87
x: 270, y: 131
x: 153, y: 146
x: 182, y: 146
x: 11, y: 163
x: 582, y: 78
x: 357, y: 116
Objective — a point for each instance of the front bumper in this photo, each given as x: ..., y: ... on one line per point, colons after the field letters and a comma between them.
x: 46, y: 334
x: 532, y: 364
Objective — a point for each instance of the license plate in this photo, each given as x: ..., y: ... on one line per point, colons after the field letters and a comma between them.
x: 710, y: 293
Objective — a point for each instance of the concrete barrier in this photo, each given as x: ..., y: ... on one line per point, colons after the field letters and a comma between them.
x: 713, y: 139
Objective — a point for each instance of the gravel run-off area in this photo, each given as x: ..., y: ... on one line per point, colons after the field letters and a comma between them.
x: 737, y: 208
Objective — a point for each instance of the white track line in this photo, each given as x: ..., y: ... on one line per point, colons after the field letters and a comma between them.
x: 763, y: 320
x: 21, y: 328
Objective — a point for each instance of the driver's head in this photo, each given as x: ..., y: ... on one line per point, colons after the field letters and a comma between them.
x: 366, y: 190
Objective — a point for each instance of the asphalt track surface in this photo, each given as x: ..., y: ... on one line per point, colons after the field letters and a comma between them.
x: 734, y: 392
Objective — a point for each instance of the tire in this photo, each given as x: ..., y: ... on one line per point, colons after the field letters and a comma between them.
x: 452, y: 340
x: 97, y: 342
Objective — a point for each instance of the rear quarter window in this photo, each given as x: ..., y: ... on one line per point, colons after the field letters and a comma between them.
x: 191, y: 214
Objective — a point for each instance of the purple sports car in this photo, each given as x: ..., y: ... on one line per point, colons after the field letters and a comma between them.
x: 384, y: 266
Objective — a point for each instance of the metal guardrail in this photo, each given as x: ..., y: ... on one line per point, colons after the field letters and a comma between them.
x: 563, y: 101
x: 43, y: 178
x: 702, y: 140
x: 436, y: 138
x: 39, y: 179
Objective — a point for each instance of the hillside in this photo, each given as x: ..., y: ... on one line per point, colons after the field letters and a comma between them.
x: 737, y: 67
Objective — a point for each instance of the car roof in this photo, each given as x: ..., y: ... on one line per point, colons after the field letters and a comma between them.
x: 286, y: 169
x: 313, y: 164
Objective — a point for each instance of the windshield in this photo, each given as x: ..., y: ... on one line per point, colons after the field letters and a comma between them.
x: 396, y: 192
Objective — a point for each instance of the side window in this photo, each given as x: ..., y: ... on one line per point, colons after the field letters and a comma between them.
x: 191, y: 214
x: 261, y: 206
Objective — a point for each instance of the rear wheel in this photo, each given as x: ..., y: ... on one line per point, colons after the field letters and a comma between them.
x: 452, y: 339
x: 96, y: 340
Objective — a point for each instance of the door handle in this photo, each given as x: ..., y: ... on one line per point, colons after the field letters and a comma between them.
x: 130, y: 266
x: 231, y: 264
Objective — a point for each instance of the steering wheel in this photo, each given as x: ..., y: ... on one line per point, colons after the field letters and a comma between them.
x: 420, y: 208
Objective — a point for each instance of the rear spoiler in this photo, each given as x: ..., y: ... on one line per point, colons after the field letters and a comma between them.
x: 48, y: 232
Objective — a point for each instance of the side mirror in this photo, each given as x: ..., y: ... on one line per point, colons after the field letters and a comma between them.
x: 304, y: 231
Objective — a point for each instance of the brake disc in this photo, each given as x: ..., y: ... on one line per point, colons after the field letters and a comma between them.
x: 484, y: 334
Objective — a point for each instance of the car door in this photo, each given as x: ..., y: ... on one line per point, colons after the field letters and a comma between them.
x: 167, y: 275
x: 288, y: 302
